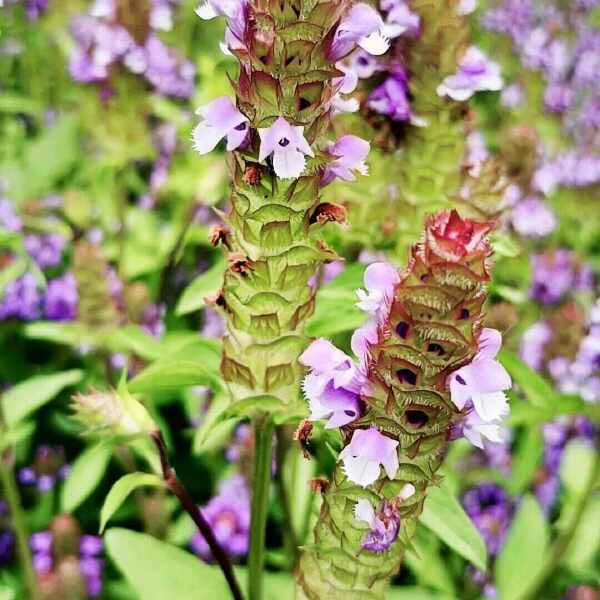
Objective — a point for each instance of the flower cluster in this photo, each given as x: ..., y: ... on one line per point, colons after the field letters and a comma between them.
x: 67, y: 563
x: 228, y: 514
x: 28, y: 296
x: 559, y: 42
x: 103, y: 41
x: 48, y: 467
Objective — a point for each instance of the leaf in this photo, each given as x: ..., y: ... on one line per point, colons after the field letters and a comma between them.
x: 157, y: 570
x: 85, y: 475
x: 121, y: 489
x: 414, y: 593
x: 526, y: 459
x: 524, y: 552
x: 196, y: 364
x: 206, y: 284
x: 335, y: 310
x: 576, y: 466
x: 583, y: 549
x: 443, y: 514
x: 216, y: 427
x: 19, y: 432
x: 29, y: 395
x: 70, y: 334
x: 535, y: 388
x: 133, y: 338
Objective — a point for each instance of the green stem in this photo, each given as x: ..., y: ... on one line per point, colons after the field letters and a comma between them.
x: 11, y: 495
x: 562, y: 543
x: 261, y: 479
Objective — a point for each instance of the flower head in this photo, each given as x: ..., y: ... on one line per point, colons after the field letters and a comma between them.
x: 287, y: 145
x: 379, y: 279
x: 366, y: 453
x: 453, y: 238
x: 351, y: 152
x: 400, y: 19
x: 475, y: 73
x: 363, y: 26
x: 332, y: 387
x: 221, y: 119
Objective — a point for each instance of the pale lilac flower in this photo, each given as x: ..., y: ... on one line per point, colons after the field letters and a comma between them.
x: 209, y: 9
x: 9, y: 219
x: 379, y: 280
x: 366, y: 453
x: 558, y: 97
x: 161, y: 15
x: 475, y: 429
x: 512, y: 96
x: 532, y: 217
x: 483, y: 380
x: 287, y: 145
x: 533, y: 342
x: 332, y: 387
x: 351, y: 152
x: 46, y: 250
x: 363, y: 26
x: 477, y: 153
x: 466, y: 7
x: 221, y: 119
x: 363, y: 64
x: 400, y: 19
x: 384, y: 524
x: 476, y: 72
x: 362, y: 339
x: 167, y: 71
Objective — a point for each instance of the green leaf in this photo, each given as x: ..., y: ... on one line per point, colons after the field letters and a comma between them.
x: 524, y: 552
x: 414, y: 593
x: 576, y: 466
x: 133, y: 338
x: 216, y: 427
x: 121, y: 489
x: 156, y: 570
x: 526, y: 459
x: 197, y: 364
x: 85, y: 475
x: 443, y: 514
x: 70, y: 334
x: 29, y: 395
x: 335, y: 310
x: 18, y: 433
x: 535, y: 388
x: 584, y: 547
x: 206, y: 284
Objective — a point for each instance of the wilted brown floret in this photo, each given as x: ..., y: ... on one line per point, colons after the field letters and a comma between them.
x: 219, y: 234
x: 239, y: 263
x: 329, y: 211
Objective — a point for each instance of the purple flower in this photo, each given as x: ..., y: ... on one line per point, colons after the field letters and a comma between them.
x: 533, y: 342
x: 512, y: 96
x: 166, y: 71
x: 287, y: 145
x: 558, y: 97
x: 228, y: 514
x: 380, y: 280
x: 483, y: 380
x: 391, y: 97
x: 490, y: 510
x: 363, y: 64
x: 476, y: 72
x: 532, y: 217
x: 553, y: 276
x: 466, y: 7
x: 46, y: 250
x: 400, y: 19
x: 9, y: 220
x: 363, y: 26
x: 61, y: 298
x: 21, y: 299
x: 209, y: 9
x: 384, y: 525
x: 332, y: 387
x: 366, y: 453
x: 7, y: 546
x: 90, y: 545
x: 477, y: 153
x: 36, y: 8
x: 221, y: 119
x: 351, y: 152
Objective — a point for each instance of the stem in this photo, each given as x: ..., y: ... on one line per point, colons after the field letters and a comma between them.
x: 289, y: 533
x: 261, y: 479
x: 563, y: 541
x: 19, y: 526
x: 188, y: 504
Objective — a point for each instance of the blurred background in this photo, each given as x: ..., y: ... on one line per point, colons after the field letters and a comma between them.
x: 105, y: 265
